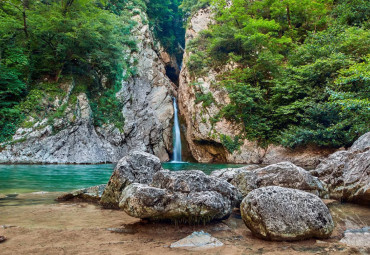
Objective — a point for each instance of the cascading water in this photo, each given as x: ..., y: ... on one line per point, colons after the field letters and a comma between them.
x: 176, y: 135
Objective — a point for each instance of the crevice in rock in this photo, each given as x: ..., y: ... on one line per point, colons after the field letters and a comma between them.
x: 173, y: 74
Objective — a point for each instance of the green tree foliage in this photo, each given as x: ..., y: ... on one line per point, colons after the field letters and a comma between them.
x: 46, y: 40
x: 302, y: 68
x: 188, y: 7
x: 166, y: 20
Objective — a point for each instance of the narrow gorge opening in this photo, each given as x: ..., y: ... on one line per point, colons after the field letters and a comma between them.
x: 173, y: 74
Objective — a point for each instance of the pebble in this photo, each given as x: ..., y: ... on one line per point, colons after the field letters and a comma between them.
x: 197, y: 241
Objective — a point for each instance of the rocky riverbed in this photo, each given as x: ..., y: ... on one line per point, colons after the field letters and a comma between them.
x: 280, y: 202
x: 82, y: 228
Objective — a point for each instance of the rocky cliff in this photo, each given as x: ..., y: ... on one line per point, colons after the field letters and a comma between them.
x: 72, y: 137
x: 210, y: 136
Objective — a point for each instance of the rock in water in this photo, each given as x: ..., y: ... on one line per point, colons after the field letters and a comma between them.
x: 284, y: 174
x: 359, y: 238
x: 92, y: 194
x: 183, y: 196
x: 283, y: 214
x: 347, y: 173
x: 197, y: 241
x: 137, y: 167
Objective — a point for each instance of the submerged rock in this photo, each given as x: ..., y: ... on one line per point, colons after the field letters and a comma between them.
x: 183, y: 196
x: 284, y: 174
x: 137, y: 167
x: 2, y: 239
x: 197, y: 241
x: 359, y: 238
x: 92, y: 194
x: 347, y: 173
x: 283, y: 214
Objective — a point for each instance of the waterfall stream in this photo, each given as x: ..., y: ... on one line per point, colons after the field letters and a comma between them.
x: 176, y: 135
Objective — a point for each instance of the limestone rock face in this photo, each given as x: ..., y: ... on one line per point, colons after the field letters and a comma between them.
x: 76, y: 142
x: 310, y: 156
x: 284, y: 174
x: 347, y: 173
x: 203, y: 135
x: 184, y: 196
x: 361, y: 144
x: 137, y: 167
x: 282, y: 214
x: 147, y: 98
x: 72, y: 138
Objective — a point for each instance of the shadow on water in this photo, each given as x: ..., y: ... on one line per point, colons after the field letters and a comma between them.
x: 28, y: 199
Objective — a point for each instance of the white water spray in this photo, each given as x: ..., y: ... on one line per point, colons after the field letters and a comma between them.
x: 176, y: 135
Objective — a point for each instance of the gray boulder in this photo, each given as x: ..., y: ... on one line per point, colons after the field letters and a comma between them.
x: 283, y: 214
x: 347, y: 173
x: 183, y: 196
x: 137, y: 167
x: 284, y: 174
x: 359, y: 238
x: 92, y: 194
x: 228, y: 174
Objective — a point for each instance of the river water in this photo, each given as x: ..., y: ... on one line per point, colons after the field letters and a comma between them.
x: 35, y: 223
x: 19, y: 179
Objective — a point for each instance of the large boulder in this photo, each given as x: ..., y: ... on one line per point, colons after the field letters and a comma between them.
x: 183, y: 196
x: 284, y: 174
x: 228, y: 174
x: 137, y: 167
x: 283, y: 214
x: 347, y: 173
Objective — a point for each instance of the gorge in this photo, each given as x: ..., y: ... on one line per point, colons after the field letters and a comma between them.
x: 136, y: 126
x: 139, y: 113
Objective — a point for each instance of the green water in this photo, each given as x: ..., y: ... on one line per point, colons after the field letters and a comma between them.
x: 18, y: 179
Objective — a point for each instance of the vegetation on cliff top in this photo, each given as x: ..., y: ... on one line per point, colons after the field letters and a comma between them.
x: 303, y: 74
x: 44, y: 41
x: 303, y: 66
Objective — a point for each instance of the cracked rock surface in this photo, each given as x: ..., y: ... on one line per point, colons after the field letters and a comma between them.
x: 347, y: 173
x: 183, y: 196
x: 281, y: 214
x: 137, y: 167
x: 284, y: 174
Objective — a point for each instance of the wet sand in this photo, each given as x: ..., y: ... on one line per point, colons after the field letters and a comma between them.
x: 46, y: 227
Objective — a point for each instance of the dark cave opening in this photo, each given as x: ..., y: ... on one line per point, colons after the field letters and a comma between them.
x: 173, y: 74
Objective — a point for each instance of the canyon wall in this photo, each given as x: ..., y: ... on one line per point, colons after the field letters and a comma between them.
x: 73, y: 137
x: 207, y: 133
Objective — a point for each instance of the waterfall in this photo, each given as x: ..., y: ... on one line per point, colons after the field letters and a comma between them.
x: 176, y: 135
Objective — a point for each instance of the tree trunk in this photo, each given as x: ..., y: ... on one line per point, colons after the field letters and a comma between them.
x: 288, y: 16
x: 25, y: 4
